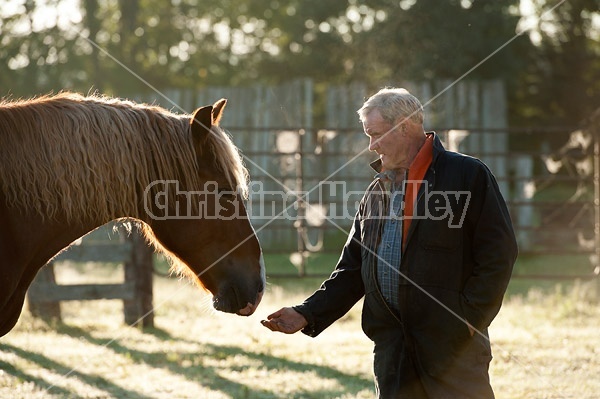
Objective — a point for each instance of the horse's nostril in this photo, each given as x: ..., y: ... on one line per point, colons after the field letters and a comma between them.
x: 248, y: 310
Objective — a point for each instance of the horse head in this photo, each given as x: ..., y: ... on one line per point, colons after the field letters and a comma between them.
x: 208, y: 229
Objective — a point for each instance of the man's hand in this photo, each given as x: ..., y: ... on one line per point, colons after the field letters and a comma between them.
x: 285, y: 320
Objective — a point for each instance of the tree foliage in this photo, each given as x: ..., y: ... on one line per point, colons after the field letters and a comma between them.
x: 443, y: 39
x: 122, y: 46
x: 561, y: 82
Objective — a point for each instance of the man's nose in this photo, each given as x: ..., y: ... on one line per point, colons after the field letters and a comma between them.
x: 373, y: 143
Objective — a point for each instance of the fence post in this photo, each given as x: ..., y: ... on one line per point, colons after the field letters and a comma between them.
x: 523, y: 196
x: 301, y: 201
x: 47, y: 311
x: 595, y: 130
x: 139, y: 269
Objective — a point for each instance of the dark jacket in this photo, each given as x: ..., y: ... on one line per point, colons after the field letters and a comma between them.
x: 455, y: 267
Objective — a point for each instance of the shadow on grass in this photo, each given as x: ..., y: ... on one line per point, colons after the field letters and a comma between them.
x: 66, y: 371
x: 191, y: 366
x: 38, y: 382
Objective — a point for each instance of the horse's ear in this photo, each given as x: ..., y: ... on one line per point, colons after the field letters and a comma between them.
x: 217, y: 111
x: 200, y: 125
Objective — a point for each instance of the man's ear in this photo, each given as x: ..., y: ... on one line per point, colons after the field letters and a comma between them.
x: 200, y: 125
x: 401, y: 124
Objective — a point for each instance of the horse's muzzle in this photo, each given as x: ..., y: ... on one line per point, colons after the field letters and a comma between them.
x: 251, y: 307
x: 239, y: 298
x: 234, y: 304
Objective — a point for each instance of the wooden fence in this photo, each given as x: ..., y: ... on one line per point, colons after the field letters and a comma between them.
x: 288, y: 154
x: 130, y: 250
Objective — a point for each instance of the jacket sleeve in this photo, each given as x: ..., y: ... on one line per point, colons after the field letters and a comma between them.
x: 494, y: 248
x: 340, y: 292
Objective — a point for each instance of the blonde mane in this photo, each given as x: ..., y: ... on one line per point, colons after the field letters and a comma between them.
x: 92, y: 157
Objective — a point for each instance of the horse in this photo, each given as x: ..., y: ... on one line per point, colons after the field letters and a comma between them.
x: 71, y: 163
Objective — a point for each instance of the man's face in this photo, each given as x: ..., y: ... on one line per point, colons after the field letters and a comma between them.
x: 387, y: 140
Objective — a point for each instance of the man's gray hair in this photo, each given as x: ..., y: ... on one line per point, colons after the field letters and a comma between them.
x: 393, y: 103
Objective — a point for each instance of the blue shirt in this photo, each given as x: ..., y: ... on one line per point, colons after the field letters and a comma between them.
x: 389, y: 252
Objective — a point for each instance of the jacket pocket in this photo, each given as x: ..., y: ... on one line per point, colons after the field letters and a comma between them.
x: 444, y: 239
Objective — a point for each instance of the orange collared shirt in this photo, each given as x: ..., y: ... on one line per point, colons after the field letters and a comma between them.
x: 416, y: 173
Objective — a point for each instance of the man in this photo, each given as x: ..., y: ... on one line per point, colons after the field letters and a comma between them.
x: 431, y: 250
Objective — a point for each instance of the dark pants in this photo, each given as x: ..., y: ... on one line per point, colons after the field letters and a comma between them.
x: 399, y: 374
x: 395, y: 373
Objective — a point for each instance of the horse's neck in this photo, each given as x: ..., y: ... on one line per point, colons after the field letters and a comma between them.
x: 30, y: 241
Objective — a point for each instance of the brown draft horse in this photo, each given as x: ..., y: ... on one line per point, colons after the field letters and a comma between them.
x: 69, y: 164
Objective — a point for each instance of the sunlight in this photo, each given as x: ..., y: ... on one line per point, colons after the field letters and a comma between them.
x: 47, y: 14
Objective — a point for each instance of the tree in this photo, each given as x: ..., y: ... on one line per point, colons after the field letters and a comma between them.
x: 427, y: 39
x: 193, y: 43
x: 561, y: 85
x: 35, y: 57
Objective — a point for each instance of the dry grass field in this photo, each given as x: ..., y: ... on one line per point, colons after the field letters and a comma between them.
x: 546, y: 345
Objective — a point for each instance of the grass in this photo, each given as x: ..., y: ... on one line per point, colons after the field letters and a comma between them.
x: 545, y: 342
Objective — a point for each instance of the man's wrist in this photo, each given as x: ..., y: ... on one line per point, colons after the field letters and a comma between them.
x: 309, y: 329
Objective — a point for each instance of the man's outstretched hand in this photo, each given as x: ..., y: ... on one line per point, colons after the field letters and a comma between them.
x: 285, y: 320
